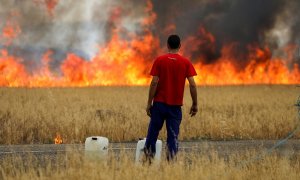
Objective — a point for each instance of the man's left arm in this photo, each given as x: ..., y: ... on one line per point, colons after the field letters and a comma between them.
x: 152, y: 91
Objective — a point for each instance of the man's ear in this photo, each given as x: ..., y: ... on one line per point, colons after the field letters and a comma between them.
x: 155, y: 79
x: 179, y: 46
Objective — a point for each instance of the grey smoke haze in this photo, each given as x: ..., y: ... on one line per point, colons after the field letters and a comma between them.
x: 275, y: 23
x: 80, y: 26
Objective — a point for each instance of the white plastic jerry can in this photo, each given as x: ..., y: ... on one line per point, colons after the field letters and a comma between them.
x: 96, y: 148
x: 140, y: 151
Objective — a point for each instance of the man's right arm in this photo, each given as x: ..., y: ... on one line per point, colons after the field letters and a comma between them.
x: 193, y: 91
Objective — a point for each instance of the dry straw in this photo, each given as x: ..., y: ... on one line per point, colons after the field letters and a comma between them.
x: 230, y: 112
x: 188, y: 166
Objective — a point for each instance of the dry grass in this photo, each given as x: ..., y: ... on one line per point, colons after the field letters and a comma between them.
x: 187, y: 167
x: 231, y: 112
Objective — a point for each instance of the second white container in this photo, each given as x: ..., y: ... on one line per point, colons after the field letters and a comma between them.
x: 140, y: 151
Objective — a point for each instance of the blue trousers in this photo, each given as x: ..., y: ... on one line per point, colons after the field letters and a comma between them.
x: 161, y: 112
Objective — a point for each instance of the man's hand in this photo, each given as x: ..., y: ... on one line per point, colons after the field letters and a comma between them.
x: 193, y: 91
x: 194, y: 110
x: 148, y: 110
x: 152, y: 91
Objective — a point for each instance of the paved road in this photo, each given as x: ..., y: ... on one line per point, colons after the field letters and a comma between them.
x: 58, y: 155
x: 223, y: 148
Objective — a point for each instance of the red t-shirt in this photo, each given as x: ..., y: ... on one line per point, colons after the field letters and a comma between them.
x: 172, y: 70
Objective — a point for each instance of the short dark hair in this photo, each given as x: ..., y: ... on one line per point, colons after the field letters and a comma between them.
x: 174, y: 41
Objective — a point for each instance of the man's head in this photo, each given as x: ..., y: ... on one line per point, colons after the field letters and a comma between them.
x: 174, y: 42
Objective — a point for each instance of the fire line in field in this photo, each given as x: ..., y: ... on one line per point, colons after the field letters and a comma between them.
x: 127, y: 61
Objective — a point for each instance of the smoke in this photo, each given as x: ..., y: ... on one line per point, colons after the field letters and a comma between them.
x: 274, y: 23
x: 82, y: 26
x: 75, y: 26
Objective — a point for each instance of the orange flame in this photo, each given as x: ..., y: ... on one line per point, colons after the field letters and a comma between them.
x: 128, y: 62
x: 50, y: 5
x: 58, y: 139
x: 10, y: 31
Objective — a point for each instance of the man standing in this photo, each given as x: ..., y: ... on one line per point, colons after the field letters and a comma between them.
x: 165, y: 99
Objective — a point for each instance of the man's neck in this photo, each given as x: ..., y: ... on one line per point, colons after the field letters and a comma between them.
x: 173, y: 51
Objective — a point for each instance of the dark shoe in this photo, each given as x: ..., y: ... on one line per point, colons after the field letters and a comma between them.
x: 149, y: 156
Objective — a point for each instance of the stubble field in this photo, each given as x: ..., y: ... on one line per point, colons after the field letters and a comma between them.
x: 206, y: 166
x: 36, y: 115
x: 29, y: 116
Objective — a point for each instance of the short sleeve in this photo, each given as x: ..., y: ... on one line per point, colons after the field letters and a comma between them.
x: 155, y: 70
x: 191, y: 70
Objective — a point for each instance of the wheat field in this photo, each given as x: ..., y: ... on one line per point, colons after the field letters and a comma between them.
x: 36, y: 115
x: 208, y: 166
